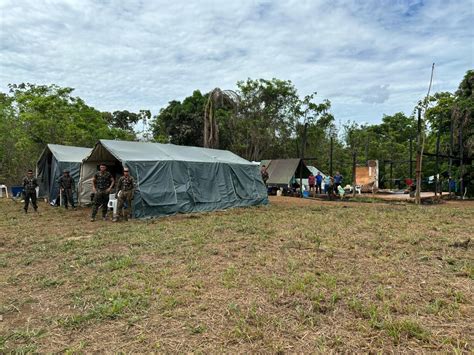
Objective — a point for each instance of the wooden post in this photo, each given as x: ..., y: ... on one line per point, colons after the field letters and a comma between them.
x: 391, y: 174
x: 461, y: 157
x: 451, y: 148
x: 301, y: 178
x: 437, y: 159
x: 330, y: 155
x: 354, y: 182
x: 418, y: 161
x: 367, y: 150
x: 303, y: 147
x: 411, y: 157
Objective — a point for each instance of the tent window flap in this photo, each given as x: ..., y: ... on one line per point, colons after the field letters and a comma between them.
x: 155, y: 183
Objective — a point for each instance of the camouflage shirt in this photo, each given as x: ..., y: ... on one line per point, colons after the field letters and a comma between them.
x: 126, y: 183
x: 29, y: 184
x: 103, y: 181
x: 66, y: 182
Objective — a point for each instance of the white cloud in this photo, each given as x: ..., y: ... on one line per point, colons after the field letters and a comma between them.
x: 141, y: 54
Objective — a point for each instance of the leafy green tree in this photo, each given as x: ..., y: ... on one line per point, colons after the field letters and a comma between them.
x: 311, y: 116
x: 389, y: 143
x: 453, y: 112
x: 181, y: 123
x: 267, y: 114
x: 217, y: 99
x: 35, y: 115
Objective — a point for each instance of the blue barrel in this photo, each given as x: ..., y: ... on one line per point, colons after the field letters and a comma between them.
x: 17, y: 191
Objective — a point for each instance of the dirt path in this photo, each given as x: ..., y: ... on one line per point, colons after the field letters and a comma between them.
x: 301, y: 202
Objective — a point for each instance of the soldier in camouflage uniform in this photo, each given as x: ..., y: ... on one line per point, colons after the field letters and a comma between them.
x: 29, y: 190
x: 67, y: 187
x: 125, y: 192
x: 102, y: 184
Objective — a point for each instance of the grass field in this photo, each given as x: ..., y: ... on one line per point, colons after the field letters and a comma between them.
x: 293, y: 276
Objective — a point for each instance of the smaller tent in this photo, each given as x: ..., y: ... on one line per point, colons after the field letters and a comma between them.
x: 281, y: 172
x: 177, y: 179
x: 53, y: 160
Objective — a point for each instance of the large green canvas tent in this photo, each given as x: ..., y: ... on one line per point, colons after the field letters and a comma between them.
x: 53, y: 160
x: 177, y: 179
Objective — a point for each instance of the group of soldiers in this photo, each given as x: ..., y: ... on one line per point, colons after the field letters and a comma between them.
x: 102, y: 185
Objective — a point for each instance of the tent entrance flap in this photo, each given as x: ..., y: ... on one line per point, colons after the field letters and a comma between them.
x: 43, y: 173
x: 244, y: 182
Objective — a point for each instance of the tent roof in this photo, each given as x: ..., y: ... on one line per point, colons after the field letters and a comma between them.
x: 147, y: 151
x: 67, y: 153
x: 315, y: 170
x: 281, y: 171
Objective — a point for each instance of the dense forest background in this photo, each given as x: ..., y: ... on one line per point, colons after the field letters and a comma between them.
x: 260, y: 119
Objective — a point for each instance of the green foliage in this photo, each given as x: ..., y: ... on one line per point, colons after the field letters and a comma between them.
x: 456, y: 112
x: 125, y: 120
x: 270, y: 121
x: 267, y: 115
x: 181, y: 122
x: 32, y: 116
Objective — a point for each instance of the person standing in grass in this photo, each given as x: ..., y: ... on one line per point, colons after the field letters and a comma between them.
x: 102, y: 184
x: 125, y: 192
x: 337, y: 181
x: 327, y: 183
x: 30, y: 183
x: 67, y: 187
x: 311, y: 182
x: 264, y: 173
x: 331, y: 188
x: 319, y: 180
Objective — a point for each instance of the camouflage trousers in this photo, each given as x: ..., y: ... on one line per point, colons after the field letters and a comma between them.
x: 30, y: 195
x: 68, y: 197
x: 125, y: 196
x: 101, y: 198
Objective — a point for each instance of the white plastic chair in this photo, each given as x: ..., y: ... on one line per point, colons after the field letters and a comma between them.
x: 3, y: 187
x: 112, y: 203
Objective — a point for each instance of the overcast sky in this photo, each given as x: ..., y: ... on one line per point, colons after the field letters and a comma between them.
x: 368, y: 57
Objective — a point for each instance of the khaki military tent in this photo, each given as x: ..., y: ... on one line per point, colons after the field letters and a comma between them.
x: 177, y: 179
x: 53, y: 160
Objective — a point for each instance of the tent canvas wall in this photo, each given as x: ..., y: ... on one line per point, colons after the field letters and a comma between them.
x: 53, y: 160
x: 282, y: 171
x: 177, y: 179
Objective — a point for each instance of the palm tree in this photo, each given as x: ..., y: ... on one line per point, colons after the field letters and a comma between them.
x: 217, y: 99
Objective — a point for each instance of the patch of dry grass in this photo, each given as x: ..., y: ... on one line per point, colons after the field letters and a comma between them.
x: 294, y: 276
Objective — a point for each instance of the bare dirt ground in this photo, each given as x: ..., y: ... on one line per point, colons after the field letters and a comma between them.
x: 298, y: 275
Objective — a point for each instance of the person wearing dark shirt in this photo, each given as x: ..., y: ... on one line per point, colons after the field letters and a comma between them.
x: 319, y: 181
x: 337, y: 181
x: 264, y: 173
x: 29, y: 190
x: 125, y: 192
x: 66, y: 188
x: 102, y: 184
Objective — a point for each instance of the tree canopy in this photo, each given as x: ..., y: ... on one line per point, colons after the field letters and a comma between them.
x: 260, y: 119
